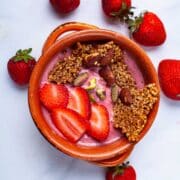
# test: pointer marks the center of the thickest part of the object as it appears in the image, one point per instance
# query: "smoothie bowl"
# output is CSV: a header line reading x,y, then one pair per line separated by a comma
x,y
93,93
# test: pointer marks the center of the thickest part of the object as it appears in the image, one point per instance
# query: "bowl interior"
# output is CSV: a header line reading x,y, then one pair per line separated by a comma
x,y
84,152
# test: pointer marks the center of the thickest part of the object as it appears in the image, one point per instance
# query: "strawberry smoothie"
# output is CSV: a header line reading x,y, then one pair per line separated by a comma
x,y
114,134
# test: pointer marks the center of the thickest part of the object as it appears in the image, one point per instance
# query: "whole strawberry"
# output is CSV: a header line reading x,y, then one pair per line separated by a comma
x,y
147,29
169,78
117,8
20,66
65,6
122,172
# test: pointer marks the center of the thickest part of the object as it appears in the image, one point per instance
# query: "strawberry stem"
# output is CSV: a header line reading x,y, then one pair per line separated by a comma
x,y
120,169
135,22
23,55
125,13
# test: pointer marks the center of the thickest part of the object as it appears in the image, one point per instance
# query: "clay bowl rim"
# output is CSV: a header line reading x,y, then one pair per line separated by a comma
x,y
87,153
113,161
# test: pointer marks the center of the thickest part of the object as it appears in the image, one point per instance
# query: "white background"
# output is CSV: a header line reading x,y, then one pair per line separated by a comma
x,y
24,153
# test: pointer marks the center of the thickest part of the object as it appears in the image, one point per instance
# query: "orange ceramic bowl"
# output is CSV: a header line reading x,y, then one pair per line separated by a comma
x,y
113,161
54,44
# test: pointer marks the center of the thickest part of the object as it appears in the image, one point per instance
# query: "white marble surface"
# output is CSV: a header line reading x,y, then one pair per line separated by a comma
x,y
24,153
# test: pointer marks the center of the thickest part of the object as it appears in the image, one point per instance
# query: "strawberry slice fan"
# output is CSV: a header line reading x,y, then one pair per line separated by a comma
x,y
69,116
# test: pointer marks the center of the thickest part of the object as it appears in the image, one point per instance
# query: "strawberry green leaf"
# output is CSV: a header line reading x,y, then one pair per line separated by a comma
x,y
120,169
134,23
23,55
125,12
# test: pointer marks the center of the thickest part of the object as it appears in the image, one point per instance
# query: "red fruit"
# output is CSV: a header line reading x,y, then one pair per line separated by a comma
x,y
70,123
169,77
122,172
99,122
148,29
79,102
109,174
53,95
65,6
20,66
120,8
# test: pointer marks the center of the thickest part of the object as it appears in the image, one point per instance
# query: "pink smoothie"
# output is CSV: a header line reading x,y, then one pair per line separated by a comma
x,y
113,134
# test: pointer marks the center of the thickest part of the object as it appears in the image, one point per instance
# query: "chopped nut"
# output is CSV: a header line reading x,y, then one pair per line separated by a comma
x,y
81,79
108,58
92,84
106,73
101,93
92,60
114,93
125,96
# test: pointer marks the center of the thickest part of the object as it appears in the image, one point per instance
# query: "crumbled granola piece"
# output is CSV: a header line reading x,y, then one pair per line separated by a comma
x,y
65,71
124,78
132,119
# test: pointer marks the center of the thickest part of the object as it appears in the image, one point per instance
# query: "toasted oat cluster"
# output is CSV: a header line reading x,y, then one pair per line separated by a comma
x,y
131,106
123,77
67,69
99,51
132,118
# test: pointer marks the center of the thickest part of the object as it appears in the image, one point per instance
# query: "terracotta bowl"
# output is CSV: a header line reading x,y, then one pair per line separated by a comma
x,y
54,44
114,161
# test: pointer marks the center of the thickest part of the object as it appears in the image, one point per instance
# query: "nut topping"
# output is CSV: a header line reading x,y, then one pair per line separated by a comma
x,y
101,93
92,84
81,79
92,60
114,93
125,96
108,58
106,73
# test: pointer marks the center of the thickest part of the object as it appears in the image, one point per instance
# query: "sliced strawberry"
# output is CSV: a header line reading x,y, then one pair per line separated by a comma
x,y
99,122
70,123
79,102
53,95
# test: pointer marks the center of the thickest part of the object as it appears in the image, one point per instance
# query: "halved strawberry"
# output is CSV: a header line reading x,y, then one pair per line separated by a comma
x,y
70,123
53,95
79,102
99,122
